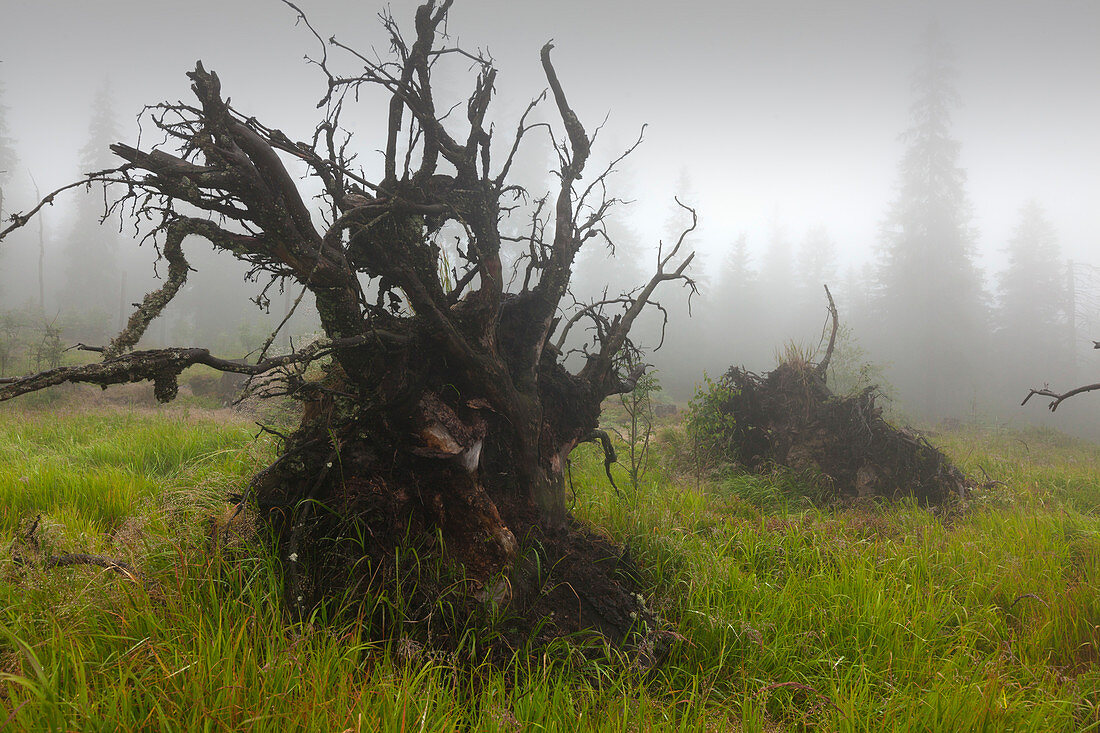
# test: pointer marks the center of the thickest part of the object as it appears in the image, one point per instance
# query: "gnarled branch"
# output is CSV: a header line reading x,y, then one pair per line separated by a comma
x,y
21,219
163,366
823,365
609,457
1058,398
599,368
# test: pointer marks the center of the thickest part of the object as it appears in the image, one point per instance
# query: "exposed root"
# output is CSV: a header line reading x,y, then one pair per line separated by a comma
x,y
609,456
789,417
419,549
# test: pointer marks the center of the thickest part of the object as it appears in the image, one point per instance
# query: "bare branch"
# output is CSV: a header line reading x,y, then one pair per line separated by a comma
x,y
823,365
599,369
21,219
574,129
521,130
591,310
82,558
163,366
155,302
1059,398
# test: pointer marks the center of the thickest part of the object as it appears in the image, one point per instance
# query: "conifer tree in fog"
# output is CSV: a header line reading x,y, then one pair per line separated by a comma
x,y
778,322
8,159
1032,314
738,286
930,306
816,264
90,292
8,163
777,269
735,339
815,267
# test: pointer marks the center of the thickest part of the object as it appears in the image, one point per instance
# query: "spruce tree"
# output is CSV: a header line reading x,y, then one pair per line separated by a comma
x,y
1032,317
8,159
8,164
737,301
814,268
816,264
90,295
779,318
930,305
737,273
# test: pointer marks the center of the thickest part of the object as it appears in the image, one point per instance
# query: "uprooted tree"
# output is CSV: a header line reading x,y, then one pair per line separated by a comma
x,y
790,417
445,415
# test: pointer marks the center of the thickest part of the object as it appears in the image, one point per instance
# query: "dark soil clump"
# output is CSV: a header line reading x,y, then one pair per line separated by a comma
x,y
380,545
789,417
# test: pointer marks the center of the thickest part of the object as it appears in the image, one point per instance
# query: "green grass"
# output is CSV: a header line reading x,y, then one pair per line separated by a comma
x,y
785,613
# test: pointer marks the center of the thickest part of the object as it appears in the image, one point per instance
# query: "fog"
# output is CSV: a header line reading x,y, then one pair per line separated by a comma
x,y
781,123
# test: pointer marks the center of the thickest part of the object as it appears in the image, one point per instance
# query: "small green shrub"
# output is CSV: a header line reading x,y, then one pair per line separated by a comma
x,y
710,422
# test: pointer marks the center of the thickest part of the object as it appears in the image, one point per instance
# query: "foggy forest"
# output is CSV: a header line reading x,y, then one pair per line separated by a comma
x,y
1011,303
681,364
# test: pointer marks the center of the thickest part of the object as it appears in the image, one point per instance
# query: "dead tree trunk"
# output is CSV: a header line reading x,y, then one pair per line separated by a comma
x,y
444,417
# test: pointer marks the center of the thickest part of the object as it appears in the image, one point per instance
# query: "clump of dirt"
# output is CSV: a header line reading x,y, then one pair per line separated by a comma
x,y
789,417
381,546
574,581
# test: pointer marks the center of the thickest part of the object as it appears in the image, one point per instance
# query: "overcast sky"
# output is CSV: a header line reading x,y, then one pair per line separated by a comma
x,y
773,109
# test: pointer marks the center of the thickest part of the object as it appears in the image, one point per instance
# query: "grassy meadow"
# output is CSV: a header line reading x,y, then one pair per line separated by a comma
x,y
785,613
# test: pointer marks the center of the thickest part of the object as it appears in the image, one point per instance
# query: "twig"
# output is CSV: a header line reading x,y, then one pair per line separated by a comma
x,y
20,220
83,558
75,558
795,685
1059,398
989,480
823,365
1027,595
